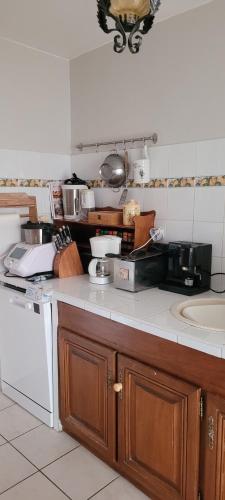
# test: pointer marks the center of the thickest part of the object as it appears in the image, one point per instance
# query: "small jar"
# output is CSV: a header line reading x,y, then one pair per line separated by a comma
x,y
130,210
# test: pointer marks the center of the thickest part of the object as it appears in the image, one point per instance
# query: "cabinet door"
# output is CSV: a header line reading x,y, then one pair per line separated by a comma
x,y
159,431
213,476
87,399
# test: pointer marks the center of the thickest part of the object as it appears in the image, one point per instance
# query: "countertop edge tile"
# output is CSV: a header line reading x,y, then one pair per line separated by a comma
x,y
143,326
213,350
95,309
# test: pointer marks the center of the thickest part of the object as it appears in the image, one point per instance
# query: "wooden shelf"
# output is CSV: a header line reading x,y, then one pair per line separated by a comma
x,y
96,224
18,200
82,231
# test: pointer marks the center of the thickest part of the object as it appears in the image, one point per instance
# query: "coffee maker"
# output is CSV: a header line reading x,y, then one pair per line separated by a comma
x,y
101,268
189,268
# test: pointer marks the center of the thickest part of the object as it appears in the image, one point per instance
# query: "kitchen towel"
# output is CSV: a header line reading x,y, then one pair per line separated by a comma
x,y
10,233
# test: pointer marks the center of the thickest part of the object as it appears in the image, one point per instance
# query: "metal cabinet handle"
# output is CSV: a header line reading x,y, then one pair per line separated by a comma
x,y
211,432
118,387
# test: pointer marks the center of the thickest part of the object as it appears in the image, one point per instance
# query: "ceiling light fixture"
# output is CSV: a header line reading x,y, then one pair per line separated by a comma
x,y
134,17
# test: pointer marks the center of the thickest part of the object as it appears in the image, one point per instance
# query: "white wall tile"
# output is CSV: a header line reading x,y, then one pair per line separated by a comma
x,y
86,165
217,281
110,197
183,160
98,197
19,164
159,161
221,156
209,232
156,199
223,276
208,153
28,164
180,204
54,166
178,230
223,252
138,195
216,265
162,224
209,204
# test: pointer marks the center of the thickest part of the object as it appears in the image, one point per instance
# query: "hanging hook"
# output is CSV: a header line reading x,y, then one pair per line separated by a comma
x,y
96,150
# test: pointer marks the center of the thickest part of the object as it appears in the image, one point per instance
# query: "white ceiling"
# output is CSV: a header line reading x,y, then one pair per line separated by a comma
x,y
66,28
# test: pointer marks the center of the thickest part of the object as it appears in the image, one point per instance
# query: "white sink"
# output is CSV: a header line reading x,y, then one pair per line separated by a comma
x,y
202,313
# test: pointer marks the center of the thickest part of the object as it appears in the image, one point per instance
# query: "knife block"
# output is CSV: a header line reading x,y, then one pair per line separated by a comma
x,y
67,262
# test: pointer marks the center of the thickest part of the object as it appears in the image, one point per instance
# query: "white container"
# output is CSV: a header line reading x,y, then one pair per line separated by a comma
x,y
72,200
88,199
142,171
142,168
130,210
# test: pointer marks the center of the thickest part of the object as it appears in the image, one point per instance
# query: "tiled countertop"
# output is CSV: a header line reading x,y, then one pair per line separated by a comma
x,y
148,311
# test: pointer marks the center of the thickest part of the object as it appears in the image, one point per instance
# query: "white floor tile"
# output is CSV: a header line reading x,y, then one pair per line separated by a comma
x,y
120,489
5,402
80,474
44,445
13,467
15,421
34,488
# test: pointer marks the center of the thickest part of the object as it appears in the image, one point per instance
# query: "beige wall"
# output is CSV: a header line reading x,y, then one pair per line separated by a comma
x,y
34,100
175,86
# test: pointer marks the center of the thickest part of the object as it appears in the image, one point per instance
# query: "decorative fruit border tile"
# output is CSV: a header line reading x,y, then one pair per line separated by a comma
x,y
210,181
32,183
185,182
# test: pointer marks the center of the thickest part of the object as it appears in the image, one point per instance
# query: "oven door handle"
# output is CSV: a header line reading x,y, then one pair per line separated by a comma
x,y
28,306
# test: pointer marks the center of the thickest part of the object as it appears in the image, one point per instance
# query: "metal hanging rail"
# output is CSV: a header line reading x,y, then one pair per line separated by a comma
x,y
152,138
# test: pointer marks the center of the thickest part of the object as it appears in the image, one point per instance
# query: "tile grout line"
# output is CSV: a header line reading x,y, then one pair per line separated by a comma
x,y
103,488
62,456
19,482
54,484
6,408
23,434
38,470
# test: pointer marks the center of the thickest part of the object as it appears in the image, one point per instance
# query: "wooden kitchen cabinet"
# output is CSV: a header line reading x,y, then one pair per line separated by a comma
x,y
87,398
136,401
213,474
159,430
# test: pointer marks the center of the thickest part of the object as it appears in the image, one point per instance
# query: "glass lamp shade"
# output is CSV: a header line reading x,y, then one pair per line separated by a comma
x,y
134,17
130,9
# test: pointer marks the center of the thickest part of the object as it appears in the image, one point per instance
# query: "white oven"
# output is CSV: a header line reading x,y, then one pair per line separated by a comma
x,y
26,350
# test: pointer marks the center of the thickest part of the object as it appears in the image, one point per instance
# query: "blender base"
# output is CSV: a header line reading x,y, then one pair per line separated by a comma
x,y
101,280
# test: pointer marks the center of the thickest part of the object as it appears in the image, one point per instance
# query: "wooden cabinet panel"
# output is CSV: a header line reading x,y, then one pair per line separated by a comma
x,y
213,477
159,431
87,371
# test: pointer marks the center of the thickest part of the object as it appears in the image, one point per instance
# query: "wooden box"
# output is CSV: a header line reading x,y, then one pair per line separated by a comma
x,y
106,218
